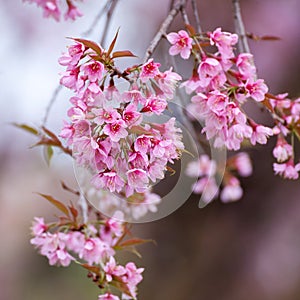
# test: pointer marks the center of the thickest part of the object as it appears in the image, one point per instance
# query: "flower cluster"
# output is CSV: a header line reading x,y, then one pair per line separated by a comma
x,y
206,171
52,9
108,132
94,247
286,114
222,83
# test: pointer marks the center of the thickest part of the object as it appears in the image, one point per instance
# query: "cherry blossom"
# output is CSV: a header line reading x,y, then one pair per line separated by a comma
x,y
182,44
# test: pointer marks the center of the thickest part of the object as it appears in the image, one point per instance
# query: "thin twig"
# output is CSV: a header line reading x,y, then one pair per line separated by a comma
x,y
97,19
51,103
163,27
196,15
185,16
84,207
109,14
239,27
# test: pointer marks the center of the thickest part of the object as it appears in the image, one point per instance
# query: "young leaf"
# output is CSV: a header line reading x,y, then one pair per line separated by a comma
x,y
27,128
112,45
48,151
134,242
56,203
89,44
93,269
124,53
191,30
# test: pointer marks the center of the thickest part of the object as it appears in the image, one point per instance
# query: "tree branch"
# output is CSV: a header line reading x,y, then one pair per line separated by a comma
x,y
163,27
109,14
239,27
50,104
97,18
196,15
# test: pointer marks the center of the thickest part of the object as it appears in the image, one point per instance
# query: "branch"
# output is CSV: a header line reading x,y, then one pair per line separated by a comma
x,y
196,15
97,19
240,28
51,103
109,14
163,28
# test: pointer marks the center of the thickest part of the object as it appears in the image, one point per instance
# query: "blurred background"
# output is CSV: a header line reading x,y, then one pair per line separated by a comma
x,y
240,251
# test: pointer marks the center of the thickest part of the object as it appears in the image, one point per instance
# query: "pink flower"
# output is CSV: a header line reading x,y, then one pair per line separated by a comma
x,y
112,269
283,151
93,70
207,187
72,80
210,69
72,12
245,65
142,143
51,10
133,274
71,59
94,251
256,89
155,105
38,226
108,180
108,115
202,167
224,42
108,296
260,134
167,82
116,130
131,116
288,170
243,164
217,102
75,241
137,180
60,257
181,43
232,191
149,70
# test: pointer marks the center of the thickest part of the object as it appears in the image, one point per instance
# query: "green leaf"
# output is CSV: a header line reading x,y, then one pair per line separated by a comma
x,y
27,128
48,151
125,53
89,44
112,45
56,203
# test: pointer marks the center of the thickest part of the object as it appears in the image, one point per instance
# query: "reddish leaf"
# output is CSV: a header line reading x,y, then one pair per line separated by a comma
x,y
112,44
93,269
56,203
90,44
190,29
73,211
27,128
124,53
52,135
123,287
134,242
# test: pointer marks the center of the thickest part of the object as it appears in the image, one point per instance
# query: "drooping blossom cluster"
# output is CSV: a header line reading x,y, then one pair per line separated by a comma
x,y
108,132
53,9
286,114
222,83
93,246
206,170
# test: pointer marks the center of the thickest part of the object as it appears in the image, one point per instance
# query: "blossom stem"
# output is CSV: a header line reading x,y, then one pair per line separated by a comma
x,y
243,45
163,27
